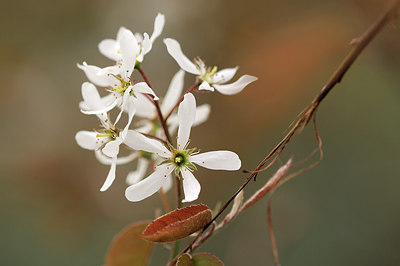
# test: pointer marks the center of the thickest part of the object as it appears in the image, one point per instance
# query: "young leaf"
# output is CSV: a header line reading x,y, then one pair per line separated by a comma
x,y
206,259
184,260
199,259
178,224
128,248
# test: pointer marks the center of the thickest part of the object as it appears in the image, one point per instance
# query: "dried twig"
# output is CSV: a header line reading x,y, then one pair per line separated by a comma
x,y
357,48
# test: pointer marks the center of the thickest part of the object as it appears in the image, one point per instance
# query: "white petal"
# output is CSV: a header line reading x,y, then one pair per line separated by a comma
x,y
138,142
109,48
144,108
235,87
191,187
142,87
87,139
120,160
104,110
138,36
149,185
173,123
145,128
111,176
174,49
129,51
111,149
205,86
186,117
158,27
224,75
119,33
91,96
146,44
217,160
129,106
167,183
174,92
91,73
202,113
135,176
110,71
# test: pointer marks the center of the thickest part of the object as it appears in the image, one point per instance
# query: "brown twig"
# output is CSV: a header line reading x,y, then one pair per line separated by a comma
x,y
194,86
154,137
159,114
357,48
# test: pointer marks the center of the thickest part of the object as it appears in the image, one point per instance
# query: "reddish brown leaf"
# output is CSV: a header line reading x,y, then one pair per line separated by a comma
x,y
128,248
206,259
184,260
178,224
199,259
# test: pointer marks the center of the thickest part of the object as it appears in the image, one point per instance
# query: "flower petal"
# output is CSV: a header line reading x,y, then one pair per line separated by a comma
x,y
217,160
110,71
142,87
224,75
167,183
202,113
109,48
173,123
174,49
235,87
144,108
87,139
129,50
103,159
141,169
91,74
129,106
186,117
149,185
205,86
146,45
119,33
191,187
111,149
138,142
91,96
174,92
111,175
104,110
158,27
145,128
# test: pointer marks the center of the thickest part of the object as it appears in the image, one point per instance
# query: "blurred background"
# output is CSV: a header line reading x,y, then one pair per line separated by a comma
x,y
343,212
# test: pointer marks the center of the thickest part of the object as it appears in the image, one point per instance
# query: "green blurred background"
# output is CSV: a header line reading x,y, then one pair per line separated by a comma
x,y
343,212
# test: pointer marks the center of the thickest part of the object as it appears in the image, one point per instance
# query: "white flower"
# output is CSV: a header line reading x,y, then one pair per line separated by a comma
x,y
108,139
117,78
112,48
181,160
147,110
210,77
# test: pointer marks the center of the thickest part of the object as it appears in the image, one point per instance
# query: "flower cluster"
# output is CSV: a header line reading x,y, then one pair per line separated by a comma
x,y
150,121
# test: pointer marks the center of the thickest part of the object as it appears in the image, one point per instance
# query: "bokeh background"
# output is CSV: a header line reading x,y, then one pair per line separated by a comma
x,y
343,212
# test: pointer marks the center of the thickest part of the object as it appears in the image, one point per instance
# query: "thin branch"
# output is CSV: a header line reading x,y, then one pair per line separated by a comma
x,y
358,47
154,137
194,86
159,114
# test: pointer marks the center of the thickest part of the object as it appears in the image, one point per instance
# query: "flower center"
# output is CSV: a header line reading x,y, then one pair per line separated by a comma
x,y
180,159
206,72
123,86
111,134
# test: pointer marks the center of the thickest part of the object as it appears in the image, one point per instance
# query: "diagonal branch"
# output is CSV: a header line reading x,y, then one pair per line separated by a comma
x,y
358,45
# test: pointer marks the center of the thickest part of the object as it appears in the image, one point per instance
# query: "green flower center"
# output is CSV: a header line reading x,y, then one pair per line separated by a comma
x,y
180,159
121,88
112,134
